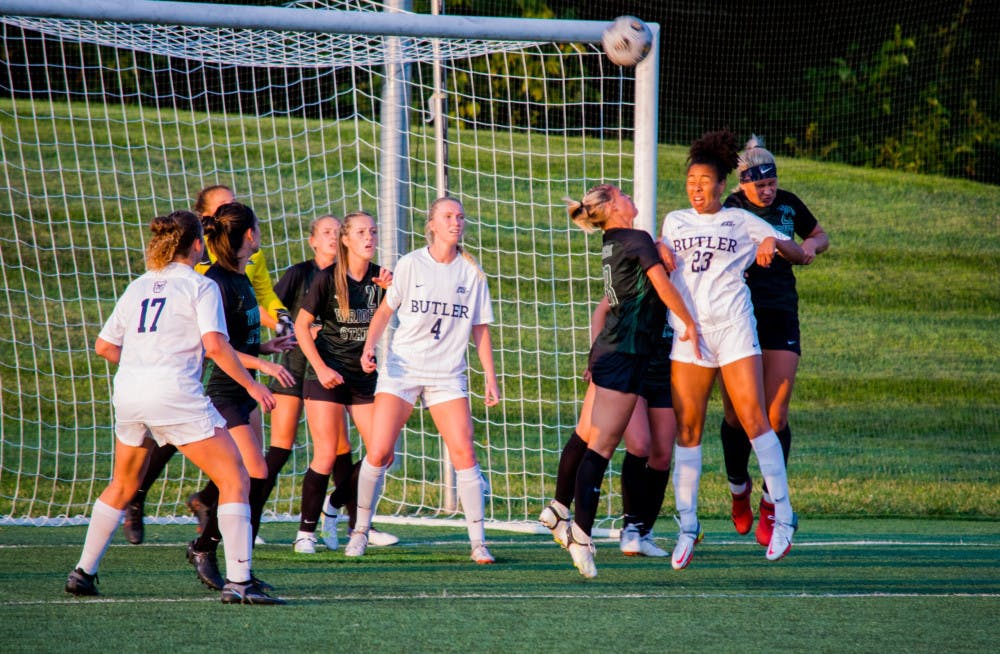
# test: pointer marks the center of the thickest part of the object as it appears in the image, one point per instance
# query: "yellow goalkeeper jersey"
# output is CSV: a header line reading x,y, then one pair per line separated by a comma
x,y
260,278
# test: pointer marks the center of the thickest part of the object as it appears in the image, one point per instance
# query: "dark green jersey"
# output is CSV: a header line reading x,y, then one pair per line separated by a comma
x,y
774,287
636,313
243,325
342,338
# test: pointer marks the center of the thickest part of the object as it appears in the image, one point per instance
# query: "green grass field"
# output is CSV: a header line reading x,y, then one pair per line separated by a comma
x,y
847,586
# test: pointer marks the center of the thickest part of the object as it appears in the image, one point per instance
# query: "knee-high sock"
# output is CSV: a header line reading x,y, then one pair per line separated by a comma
x,y
352,502
772,468
276,458
569,463
209,495
158,460
104,521
687,474
785,437
343,472
470,494
258,499
633,472
313,493
736,452
370,481
588,489
654,488
237,539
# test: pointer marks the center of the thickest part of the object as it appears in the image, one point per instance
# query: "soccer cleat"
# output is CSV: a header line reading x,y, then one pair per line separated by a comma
x,y
260,583
378,538
257,540
741,512
481,555
201,511
328,525
583,557
555,518
80,583
305,543
765,524
648,548
684,550
357,545
247,592
781,539
206,565
628,540
133,527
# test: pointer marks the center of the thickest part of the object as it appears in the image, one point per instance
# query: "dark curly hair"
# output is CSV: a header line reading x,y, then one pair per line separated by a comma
x,y
719,149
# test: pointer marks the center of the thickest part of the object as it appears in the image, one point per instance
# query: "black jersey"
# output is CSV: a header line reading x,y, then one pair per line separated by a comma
x,y
637,315
774,287
341,339
242,323
294,284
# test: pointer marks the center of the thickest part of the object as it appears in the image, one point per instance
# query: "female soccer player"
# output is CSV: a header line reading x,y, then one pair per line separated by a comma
x,y
233,233
160,327
649,447
637,288
342,299
709,248
776,310
440,297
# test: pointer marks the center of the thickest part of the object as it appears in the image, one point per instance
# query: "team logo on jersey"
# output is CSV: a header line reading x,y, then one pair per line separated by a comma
x,y
728,223
461,289
159,286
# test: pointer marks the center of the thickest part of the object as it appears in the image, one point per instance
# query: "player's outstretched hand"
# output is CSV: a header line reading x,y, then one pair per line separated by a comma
x,y
262,394
279,344
277,371
384,280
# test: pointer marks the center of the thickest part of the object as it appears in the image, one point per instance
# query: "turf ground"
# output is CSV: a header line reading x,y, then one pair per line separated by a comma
x,y
847,586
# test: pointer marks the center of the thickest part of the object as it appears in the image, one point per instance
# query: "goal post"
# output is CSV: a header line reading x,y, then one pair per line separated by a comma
x,y
111,113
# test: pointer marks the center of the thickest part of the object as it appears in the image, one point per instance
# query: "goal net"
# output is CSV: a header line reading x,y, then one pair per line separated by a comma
x,y
104,125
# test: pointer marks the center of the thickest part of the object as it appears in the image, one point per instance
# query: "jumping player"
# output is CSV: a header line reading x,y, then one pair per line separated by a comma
x,y
776,309
160,328
637,288
709,248
342,299
440,296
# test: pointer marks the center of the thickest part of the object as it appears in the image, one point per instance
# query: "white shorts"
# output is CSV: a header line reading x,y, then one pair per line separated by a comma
x,y
721,346
134,433
428,394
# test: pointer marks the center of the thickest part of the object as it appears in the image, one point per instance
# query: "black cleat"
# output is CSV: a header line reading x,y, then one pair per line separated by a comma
x,y
206,565
80,583
134,529
200,510
260,583
247,592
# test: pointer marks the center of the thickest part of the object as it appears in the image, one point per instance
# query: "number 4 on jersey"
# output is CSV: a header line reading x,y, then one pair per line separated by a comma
x,y
436,329
154,306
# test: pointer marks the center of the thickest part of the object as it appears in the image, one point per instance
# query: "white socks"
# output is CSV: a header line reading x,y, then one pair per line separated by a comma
x,y
771,458
687,474
370,481
237,539
470,494
104,520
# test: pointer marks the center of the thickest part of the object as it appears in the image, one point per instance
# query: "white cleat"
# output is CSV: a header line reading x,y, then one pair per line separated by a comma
x,y
305,543
628,540
357,545
555,517
684,550
781,538
328,526
648,548
258,540
378,538
481,554
583,558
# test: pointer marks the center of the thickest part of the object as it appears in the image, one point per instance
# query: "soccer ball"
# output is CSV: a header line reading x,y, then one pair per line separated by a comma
x,y
627,41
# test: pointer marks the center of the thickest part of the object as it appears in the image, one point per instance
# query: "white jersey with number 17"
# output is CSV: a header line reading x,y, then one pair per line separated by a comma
x,y
437,305
158,322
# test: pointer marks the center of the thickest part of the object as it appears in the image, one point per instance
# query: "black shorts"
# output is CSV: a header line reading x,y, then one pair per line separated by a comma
x,y
618,371
296,363
236,411
778,329
656,385
356,389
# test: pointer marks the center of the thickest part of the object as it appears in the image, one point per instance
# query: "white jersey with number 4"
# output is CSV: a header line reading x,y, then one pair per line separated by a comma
x,y
437,305
158,322
712,251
